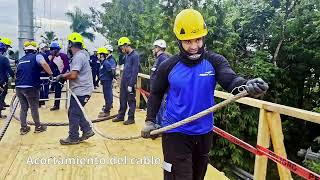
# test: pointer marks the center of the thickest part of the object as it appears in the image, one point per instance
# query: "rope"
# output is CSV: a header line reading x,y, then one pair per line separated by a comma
x,y
95,128
242,93
8,120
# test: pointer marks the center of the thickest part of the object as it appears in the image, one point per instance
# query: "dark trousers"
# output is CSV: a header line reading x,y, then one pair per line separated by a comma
x,y
44,91
188,155
29,98
126,99
107,94
95,77
3,94
57,94
76,117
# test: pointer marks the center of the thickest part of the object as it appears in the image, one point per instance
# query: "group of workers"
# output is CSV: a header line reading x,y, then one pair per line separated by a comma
x,y
181,85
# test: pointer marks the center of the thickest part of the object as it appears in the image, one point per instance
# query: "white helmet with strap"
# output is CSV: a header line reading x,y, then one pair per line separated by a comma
x,y
161,43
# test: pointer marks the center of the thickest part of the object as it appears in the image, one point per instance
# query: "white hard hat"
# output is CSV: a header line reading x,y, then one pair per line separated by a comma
x,y
43,45
109,47
161,43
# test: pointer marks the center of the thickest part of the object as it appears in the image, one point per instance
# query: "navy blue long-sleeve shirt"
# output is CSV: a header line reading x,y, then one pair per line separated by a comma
x,y
131,68
190,90
162,57
5,69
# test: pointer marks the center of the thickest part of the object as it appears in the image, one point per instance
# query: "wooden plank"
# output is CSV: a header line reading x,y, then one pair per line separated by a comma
x,y
13,163
145,76
260,165
275,127
286,110
138,93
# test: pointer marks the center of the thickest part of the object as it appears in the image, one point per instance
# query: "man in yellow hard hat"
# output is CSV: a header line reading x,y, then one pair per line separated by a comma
x,y
128,81
5,69
7,42
189,79
107,74
28,85
80,77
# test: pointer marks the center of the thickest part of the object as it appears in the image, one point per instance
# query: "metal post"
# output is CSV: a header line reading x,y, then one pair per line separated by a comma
x,y
25,23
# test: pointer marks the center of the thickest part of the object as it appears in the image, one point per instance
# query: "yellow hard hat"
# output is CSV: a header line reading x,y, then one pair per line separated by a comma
x,y
123,40
6,41
75,38
189,24
30,45
102,50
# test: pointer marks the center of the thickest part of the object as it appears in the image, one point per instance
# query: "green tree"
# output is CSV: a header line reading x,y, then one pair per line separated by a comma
x,y
80,22
48,37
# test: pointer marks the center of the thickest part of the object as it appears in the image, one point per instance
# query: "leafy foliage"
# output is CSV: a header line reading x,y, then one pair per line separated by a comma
x,y
80,22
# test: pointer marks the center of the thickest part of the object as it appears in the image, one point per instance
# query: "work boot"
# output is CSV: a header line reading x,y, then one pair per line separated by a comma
x,y
24,130
103,114
86,135
128,122
69,141
54,108
116,119
40,129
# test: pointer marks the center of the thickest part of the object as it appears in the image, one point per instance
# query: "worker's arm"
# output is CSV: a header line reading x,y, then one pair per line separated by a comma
x,y
40,59
135,70
65,60
225,76
76,65
70,75
8,67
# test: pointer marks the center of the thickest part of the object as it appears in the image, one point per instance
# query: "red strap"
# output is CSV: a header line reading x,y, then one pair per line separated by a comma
x,y
297,169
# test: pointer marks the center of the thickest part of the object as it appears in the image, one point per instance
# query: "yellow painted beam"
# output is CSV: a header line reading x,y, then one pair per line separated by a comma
x,y
260,166
286,110
275,127
138,93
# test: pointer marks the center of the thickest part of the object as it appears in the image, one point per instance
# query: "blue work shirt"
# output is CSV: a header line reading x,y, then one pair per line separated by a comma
x,y
107,69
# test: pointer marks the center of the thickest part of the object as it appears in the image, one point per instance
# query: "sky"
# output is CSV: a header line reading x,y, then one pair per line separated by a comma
x,y
46,19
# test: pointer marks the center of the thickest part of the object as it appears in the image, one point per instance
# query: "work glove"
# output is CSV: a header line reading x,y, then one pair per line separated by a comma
x,y
148,127
59,78
129,89
256,87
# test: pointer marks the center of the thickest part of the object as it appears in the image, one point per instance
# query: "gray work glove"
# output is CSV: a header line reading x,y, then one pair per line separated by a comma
x,y
256,87
59,78
148,127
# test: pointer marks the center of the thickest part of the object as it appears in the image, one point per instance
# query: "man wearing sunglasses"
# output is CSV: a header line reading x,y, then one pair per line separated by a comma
x,y
28,83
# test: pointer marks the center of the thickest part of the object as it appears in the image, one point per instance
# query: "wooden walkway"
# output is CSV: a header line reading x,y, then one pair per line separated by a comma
x,y
94,159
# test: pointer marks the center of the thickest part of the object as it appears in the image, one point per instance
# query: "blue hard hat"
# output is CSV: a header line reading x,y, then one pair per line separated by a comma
x,y
55,45
2,45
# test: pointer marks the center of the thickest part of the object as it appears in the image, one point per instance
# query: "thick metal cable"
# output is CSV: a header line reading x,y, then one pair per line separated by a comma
x,y
8,120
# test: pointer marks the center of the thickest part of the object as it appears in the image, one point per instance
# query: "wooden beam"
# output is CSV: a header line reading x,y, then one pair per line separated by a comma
x,y
275,127
260,165
286,110
138,93
143,76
